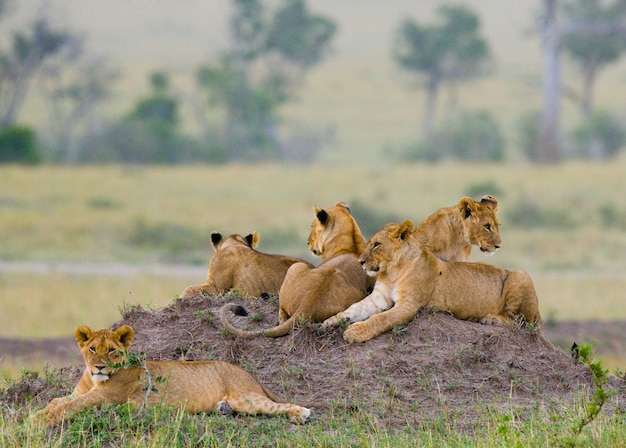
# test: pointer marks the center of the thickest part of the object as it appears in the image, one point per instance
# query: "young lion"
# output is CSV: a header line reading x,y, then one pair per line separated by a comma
x,y
318,293
450,232
196,386
238,266
411,277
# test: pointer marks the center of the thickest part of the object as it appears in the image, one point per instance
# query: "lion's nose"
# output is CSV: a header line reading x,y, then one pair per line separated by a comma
x,y
100,368
497,246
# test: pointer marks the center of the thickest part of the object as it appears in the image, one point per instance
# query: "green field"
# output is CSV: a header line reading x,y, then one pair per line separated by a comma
x,y
563,224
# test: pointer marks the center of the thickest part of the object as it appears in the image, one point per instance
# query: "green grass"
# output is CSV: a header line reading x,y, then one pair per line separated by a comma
x,y
150,214
484,425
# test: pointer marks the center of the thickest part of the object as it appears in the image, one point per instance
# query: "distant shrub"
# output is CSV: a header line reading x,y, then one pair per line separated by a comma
x,y
103,203
479,189
370,220
275,239
141,142
599,137
172,238
18,144
528,214
611,216
468,136
529,129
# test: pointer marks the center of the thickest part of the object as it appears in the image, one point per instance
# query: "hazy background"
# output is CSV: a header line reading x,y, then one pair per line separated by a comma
x,y
358,92
80,242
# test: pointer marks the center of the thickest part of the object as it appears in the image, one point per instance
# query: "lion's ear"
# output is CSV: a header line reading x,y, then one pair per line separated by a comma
x,y
253,239
406,228
125,335
216,237
343,205
467,206
490,201
83,334
322,215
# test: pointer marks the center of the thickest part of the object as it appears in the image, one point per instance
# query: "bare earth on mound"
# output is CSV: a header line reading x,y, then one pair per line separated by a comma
x,y
436,364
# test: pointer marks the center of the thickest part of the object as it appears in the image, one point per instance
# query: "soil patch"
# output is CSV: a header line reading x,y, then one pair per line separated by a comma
x,y
410,375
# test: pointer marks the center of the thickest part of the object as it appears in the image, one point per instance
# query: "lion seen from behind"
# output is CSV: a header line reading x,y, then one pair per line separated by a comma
x,y
238,266
316,293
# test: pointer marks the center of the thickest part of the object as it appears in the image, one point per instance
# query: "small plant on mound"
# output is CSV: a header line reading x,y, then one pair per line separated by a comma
x,y
600,395
132,359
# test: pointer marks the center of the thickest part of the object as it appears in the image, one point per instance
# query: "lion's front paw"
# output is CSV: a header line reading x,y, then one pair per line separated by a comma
x,y
328,324
357,332
39,418
47,416
188,292
492,319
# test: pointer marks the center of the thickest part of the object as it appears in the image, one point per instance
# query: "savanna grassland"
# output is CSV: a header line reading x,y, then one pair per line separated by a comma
x,y
83,245
79,243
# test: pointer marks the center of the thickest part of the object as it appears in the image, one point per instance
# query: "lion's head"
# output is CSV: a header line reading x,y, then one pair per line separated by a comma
x,y
219,242
335,228
103,348
384,246
480,223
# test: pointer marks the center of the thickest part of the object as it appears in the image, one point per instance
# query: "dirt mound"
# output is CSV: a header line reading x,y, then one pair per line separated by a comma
x,y
405,376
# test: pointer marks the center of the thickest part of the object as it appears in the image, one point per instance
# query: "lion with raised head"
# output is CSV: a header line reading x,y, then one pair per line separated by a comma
x,y
315,294
195,386
450,232
238,266
411,277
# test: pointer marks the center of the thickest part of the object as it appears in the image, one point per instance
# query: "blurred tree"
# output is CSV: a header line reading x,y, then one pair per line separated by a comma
x,y
447,52
593,52
553,34
28,54
159,109
73,98
270,54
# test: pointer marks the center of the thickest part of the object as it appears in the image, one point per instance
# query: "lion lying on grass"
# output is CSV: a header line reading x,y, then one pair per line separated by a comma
x,y
314,294
450,232
411,277
112,376
238,266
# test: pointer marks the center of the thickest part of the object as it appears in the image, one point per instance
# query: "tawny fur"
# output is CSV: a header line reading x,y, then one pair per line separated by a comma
x,y
238,266
411,277
314,294
195,386
450,232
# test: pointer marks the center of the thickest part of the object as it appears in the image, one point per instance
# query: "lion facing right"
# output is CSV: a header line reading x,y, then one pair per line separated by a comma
x,y
450,232
411,277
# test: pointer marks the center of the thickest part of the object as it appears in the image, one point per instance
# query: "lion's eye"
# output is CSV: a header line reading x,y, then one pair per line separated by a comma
x,y
375,245
488,227
92,349
112,351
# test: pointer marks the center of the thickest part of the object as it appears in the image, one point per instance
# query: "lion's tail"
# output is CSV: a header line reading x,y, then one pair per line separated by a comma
x,y
274,332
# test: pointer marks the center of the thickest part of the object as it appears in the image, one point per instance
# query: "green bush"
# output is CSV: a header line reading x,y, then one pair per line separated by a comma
x,y
529,214
529,130
370,220
18,144
479,189
472,136
611,216
599,137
